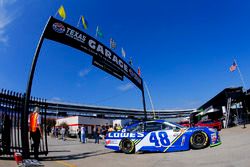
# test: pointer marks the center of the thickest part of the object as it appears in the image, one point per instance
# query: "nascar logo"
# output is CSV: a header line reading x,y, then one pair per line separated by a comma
x,y
58,27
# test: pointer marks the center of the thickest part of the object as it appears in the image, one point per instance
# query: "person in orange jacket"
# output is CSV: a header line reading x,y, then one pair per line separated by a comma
x,y
35,130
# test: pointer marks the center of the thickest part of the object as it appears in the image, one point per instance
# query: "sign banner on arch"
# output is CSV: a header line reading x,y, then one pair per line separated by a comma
x,y
107,67
103,56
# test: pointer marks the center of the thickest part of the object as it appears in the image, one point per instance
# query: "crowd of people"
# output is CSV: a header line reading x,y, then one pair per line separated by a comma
x,y
99,132
58,131
36,133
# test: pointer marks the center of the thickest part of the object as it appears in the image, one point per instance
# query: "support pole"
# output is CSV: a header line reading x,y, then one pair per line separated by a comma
x,y
150,98
25,128
241,76
25,113
144,103
79,21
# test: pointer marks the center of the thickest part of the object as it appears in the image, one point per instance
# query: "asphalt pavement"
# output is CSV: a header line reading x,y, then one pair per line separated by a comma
x,y
233,152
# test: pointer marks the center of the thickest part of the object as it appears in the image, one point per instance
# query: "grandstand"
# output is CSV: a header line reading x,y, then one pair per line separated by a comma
x,y
69,109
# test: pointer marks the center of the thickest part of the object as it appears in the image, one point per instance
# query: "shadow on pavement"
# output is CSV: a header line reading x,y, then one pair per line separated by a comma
x,y
74,156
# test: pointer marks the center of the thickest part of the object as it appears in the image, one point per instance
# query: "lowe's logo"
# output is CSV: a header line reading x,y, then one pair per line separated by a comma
x,y
125,135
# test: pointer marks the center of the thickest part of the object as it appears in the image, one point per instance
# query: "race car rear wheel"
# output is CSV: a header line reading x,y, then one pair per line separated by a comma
x,y
199,140
127,146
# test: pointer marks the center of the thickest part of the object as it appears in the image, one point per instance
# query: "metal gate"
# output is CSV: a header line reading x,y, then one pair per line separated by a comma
x,y
11,109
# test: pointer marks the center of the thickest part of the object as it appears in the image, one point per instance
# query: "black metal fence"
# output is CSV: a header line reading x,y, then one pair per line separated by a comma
x,y
11,109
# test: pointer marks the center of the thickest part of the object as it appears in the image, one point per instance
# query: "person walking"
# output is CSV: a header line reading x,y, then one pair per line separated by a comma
x,y
94,133
104,132
118,127
52,132
115,127
83,134
98,132
35,130
110,129
56,132
79,133
48,129
63,130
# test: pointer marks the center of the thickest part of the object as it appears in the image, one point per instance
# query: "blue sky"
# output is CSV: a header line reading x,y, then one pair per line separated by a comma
x,y
184,49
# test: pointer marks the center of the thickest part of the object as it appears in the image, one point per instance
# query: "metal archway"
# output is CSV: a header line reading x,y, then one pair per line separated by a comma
x,y
103,58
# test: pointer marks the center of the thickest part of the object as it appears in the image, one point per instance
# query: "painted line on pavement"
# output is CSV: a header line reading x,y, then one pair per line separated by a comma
x,y
65,164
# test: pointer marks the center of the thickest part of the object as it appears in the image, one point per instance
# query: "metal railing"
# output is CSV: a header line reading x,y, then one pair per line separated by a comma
x,y
11,115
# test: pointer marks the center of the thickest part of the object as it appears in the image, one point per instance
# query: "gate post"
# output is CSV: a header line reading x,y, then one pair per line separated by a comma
x,y
25,114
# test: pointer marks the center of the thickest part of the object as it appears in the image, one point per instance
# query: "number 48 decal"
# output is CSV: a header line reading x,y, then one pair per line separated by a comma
x,y
160,139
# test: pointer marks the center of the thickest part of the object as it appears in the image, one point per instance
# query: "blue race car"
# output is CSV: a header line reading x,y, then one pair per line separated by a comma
x,y
161,136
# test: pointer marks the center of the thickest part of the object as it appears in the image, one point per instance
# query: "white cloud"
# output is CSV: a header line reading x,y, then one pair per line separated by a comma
x,y
56,99
126,87
3,38
84,72
6,17
4,2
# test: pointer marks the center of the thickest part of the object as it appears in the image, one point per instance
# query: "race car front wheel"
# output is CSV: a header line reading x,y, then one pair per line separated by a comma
x,y
127,146
199,140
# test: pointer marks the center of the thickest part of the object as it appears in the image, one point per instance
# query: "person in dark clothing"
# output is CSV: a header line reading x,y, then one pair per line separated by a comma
x,y
79,133
104,131
97,134
48,130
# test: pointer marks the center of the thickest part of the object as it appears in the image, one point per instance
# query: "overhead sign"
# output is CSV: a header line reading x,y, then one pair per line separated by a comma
x,y
64,33
106,67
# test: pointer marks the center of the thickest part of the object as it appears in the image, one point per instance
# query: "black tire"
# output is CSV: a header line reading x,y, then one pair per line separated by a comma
x,y
199,140
127,146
